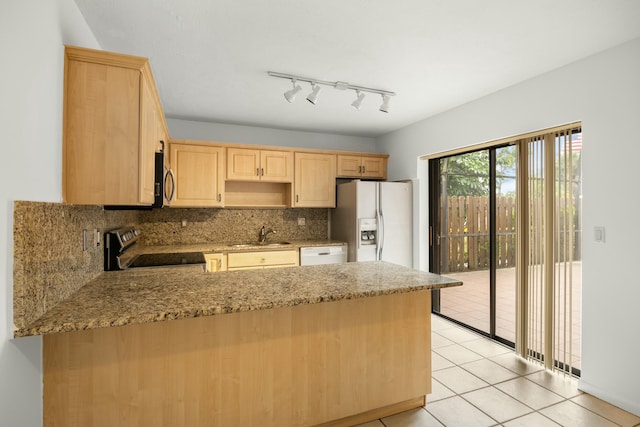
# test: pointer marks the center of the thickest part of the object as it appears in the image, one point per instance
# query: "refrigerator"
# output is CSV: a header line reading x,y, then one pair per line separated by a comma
x,y
376,220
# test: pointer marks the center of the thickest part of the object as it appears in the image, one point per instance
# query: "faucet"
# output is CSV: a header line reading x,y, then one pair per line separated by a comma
x,y
262,235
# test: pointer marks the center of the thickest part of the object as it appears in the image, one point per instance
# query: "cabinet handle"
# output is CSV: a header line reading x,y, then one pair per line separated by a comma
x,y
173,186
258,171
363,169
262,172
297,198
219,197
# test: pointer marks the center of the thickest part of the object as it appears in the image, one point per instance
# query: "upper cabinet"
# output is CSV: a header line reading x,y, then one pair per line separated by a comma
x,y
315,180
113,124
198,171
373,167
244,164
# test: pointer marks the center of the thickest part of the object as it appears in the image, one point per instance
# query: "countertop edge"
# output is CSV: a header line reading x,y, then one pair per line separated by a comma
x,y
152,316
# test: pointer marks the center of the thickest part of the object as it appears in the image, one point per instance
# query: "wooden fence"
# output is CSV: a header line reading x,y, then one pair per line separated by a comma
x,y
464,236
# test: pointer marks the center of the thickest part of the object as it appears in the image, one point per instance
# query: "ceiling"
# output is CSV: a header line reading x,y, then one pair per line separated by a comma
x,y
210,58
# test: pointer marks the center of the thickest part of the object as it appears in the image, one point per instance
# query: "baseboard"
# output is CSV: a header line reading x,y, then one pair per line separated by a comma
x,y
377,413
627,405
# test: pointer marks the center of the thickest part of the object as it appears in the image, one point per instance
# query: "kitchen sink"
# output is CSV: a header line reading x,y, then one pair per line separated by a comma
x,y
268,244
274,244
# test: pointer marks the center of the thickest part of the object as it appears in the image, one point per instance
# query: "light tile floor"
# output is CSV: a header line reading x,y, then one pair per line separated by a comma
x,y
477,382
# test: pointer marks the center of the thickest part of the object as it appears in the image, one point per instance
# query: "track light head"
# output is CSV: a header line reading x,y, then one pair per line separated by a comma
x,y
358,102
290,95
385,103
313,96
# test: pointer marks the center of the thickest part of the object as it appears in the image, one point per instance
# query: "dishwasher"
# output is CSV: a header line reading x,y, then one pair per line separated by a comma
x,y
316,255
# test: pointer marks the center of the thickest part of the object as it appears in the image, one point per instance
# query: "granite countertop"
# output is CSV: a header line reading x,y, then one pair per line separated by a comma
x,y
227,247
231,247
118,298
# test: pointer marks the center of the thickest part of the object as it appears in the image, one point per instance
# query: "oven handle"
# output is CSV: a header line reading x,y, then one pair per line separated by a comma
x,y
173,185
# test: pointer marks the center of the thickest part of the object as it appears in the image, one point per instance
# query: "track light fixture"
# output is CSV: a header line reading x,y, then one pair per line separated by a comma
x,y
385,104
290,95
313,96
358,102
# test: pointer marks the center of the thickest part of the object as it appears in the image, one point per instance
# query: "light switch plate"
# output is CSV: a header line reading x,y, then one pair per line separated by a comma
x,y
302,221
598,234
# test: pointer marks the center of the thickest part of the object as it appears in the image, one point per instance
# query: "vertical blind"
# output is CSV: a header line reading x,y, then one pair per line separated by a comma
x,y
548,207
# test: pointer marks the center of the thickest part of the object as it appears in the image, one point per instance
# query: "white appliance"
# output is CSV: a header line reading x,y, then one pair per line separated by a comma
x,y
315,255
375,219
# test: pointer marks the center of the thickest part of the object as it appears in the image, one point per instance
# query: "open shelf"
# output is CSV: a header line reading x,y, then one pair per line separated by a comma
x,y
241,194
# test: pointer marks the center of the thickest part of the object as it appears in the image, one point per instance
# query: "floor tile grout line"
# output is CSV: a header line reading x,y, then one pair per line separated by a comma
x,y
433,415
498,422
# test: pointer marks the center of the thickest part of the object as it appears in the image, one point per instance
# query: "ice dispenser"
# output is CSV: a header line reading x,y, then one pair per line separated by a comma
x,y
368,231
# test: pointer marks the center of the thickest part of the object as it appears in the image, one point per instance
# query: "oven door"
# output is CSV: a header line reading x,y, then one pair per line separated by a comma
x,y
181,259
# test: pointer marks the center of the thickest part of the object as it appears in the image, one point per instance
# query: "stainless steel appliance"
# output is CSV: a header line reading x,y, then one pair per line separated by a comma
x,y
119,241
316,255
376,220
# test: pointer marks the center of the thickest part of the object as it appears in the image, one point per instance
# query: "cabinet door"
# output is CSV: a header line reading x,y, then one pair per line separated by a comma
x,y
276,166
243,164
315,180
249,260
374,167
149,138
199,173
101,134
349,166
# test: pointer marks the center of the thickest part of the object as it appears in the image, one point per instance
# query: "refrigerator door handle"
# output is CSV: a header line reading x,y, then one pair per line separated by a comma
x,y
380,234
380,223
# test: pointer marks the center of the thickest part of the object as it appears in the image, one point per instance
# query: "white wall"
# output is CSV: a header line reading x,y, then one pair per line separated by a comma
x,y
603,91
32,38
219,132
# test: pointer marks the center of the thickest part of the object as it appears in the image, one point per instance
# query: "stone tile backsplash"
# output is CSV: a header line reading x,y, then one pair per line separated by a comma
x,y
164,226
50,264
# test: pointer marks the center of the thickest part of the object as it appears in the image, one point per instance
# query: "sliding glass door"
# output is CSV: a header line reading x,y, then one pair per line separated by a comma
x,y
506,221
473,238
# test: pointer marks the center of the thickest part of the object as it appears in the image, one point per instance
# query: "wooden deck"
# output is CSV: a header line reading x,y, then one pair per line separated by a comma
x,y
470,304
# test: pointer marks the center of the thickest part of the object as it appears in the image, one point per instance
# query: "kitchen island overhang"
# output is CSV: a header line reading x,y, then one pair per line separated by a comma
x,y
299,346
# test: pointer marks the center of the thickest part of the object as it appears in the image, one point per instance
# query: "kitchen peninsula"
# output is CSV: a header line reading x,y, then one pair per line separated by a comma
x,y
341,343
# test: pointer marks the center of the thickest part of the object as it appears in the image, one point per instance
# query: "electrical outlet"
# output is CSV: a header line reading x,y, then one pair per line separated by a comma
x,y
85,240
302,221
598,234
96,237
184,222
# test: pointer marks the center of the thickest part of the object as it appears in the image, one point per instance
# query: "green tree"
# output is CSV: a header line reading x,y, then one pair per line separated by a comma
x,y
468,174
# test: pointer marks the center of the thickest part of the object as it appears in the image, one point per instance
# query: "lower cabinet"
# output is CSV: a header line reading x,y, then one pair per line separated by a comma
x,y
216,262
262,259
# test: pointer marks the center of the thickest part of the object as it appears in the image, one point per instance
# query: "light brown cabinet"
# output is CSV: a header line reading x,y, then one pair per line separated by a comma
x,y
361,167
112,126
245,164
198,170
261,259
315,180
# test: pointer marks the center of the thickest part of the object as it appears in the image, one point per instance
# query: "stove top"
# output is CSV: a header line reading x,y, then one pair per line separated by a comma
x,y
121,240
